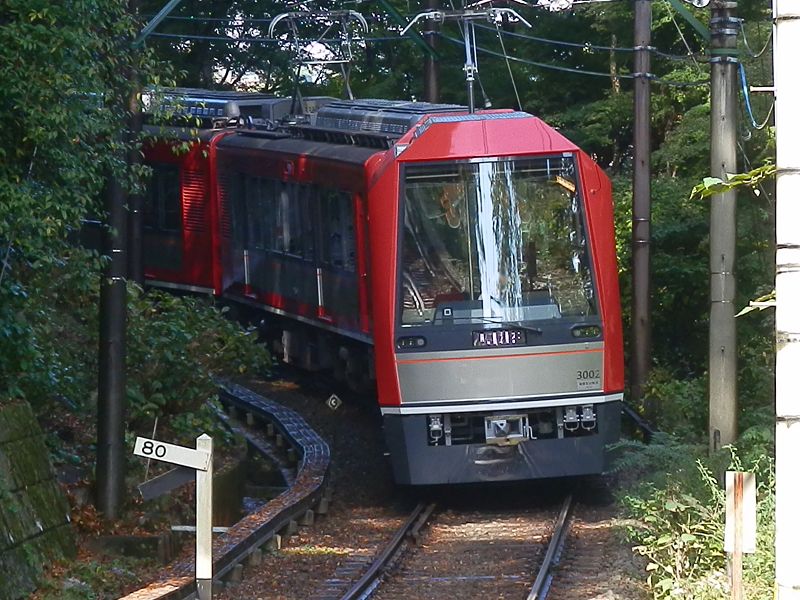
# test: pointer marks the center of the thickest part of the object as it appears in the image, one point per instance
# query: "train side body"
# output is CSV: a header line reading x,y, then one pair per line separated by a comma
x,y
181,246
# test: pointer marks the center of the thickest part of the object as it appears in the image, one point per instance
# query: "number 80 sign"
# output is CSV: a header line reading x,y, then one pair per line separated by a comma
x,y
177,455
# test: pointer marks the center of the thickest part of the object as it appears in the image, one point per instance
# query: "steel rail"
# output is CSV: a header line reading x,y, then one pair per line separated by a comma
x,y
410,528
544,577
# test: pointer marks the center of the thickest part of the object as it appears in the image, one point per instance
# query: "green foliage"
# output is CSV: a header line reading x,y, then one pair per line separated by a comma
x,y
176,345
713,185
679,512
66,72
681,404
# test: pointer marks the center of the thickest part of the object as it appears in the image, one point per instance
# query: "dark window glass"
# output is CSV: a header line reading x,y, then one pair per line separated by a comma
x,y
162,202
338,234
275,215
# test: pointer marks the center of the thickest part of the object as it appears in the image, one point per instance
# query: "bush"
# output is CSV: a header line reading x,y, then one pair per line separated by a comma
x,y
176,346
679,513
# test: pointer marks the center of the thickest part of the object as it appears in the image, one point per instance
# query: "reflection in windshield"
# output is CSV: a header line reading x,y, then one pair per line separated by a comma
x,y
494,241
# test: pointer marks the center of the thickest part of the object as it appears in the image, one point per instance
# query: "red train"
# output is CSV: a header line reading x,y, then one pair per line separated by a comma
x,y
465,263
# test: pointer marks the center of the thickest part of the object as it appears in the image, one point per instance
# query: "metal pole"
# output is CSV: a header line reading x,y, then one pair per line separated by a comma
x,y
204,560
787,289
640,317
431,59
722,323
470,67
110,468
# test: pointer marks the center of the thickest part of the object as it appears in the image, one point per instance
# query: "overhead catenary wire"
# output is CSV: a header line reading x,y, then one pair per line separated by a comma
x,y
273,41
683,39
750,53
508,65
587,46
590,46
651,76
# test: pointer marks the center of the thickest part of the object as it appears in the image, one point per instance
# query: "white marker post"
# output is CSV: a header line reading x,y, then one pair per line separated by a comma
x,y
204,560
200,458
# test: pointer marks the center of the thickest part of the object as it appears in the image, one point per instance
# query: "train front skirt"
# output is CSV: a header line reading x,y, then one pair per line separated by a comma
x,y
574,446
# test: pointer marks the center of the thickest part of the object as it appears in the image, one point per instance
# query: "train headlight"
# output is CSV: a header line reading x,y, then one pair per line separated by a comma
x,y
416,341
586,331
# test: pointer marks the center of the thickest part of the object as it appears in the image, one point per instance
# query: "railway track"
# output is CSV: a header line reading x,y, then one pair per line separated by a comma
x,y
480,545
464,554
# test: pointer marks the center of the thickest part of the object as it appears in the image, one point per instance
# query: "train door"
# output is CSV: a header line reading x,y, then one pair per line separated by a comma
x,y
337,282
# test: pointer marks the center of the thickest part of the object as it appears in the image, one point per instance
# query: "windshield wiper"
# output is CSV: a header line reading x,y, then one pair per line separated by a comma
x,y
535,330
516,324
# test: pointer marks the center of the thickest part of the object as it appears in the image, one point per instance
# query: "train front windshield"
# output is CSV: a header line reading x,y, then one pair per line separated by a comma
x,y
494,241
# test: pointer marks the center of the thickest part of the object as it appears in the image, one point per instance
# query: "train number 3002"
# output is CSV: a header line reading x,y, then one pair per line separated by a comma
x,y
588,375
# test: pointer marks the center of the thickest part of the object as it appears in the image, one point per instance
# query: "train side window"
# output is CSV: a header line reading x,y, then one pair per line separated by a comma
x,y
162,202
306,199
338,235
238,210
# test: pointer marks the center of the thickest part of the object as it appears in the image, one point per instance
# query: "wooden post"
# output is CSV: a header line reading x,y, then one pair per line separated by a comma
x,y
738,524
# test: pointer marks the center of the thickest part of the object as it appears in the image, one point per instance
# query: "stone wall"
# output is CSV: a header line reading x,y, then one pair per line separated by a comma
x,y
34,515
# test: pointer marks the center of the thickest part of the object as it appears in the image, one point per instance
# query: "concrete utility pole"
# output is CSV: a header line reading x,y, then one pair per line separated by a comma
x,y
640,317
786,49
722,324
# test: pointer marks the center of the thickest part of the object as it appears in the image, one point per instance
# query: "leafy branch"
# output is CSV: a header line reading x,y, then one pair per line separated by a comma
x,y
713,185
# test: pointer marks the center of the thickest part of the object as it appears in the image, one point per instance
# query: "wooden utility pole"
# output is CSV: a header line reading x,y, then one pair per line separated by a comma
x,y
786,49
431,35
722,428
110,468
111,392
135,199
640,317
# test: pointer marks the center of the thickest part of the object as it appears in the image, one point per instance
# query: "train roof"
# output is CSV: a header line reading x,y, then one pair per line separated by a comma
x,y
267,121
216,109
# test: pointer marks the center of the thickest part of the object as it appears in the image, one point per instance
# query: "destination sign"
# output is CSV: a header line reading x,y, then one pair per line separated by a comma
x,y
495,338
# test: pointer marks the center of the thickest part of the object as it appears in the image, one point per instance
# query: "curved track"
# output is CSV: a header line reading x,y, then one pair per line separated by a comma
x,y
277,427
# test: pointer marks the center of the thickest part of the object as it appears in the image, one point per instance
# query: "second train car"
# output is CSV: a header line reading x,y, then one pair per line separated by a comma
x,y
462,262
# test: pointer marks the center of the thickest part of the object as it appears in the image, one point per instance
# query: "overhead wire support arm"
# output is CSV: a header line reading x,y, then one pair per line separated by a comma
x,y
155,22
420,41
468,17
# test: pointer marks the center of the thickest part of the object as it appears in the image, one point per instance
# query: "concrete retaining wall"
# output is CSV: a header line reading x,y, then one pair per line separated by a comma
x,y
34,515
